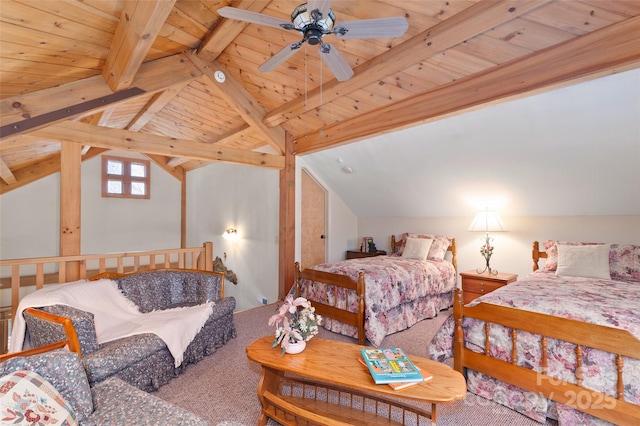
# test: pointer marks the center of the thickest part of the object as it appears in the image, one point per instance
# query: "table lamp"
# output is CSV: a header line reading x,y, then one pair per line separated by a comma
x,y
487,221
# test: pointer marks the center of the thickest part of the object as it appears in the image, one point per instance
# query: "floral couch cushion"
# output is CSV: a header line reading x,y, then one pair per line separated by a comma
x,y
63,370
26,398
157,290
140,409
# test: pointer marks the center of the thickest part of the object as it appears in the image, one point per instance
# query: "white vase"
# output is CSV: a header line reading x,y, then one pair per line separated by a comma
x,y
296,347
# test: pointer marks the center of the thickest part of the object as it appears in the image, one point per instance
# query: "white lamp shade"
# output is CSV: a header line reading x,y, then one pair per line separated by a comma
x,y
487,221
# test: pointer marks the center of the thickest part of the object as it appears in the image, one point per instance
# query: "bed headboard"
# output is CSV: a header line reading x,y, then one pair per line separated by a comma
x,y
395,246
536,255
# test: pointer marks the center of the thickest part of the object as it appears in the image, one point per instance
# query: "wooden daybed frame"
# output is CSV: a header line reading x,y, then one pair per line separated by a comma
x,y
355,319
616,341
39,271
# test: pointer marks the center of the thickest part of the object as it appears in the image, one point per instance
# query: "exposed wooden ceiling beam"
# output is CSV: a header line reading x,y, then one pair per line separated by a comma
x,y
227,30
152,77
5,173
612,49
231,135
26,175
239,98
155,105
43,168
140,23
470,22
126,140
160,161
176,161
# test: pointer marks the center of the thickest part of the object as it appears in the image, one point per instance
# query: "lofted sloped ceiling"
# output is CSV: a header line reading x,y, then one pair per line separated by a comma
x,y
139,75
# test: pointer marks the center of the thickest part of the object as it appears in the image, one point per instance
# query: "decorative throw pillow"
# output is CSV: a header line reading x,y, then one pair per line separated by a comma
x,y
27,398
590,261
438,248
624,262
417,248
551,248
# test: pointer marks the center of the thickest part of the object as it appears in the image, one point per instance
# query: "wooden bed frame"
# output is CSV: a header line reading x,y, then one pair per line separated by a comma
x,y
616,341
355,319
38,271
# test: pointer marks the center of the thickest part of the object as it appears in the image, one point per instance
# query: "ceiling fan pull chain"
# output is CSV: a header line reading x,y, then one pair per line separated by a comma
x,y
305,78
320,62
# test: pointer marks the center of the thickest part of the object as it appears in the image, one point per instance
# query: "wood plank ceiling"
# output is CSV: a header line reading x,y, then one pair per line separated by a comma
x,y
139,75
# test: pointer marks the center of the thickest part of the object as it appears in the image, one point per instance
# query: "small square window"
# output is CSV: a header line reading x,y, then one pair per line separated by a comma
x,y
125,178
138,170
115,167
137,188
114,187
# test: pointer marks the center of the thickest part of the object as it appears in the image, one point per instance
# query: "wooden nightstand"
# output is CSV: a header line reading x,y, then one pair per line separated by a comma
x,y
475,285
357,254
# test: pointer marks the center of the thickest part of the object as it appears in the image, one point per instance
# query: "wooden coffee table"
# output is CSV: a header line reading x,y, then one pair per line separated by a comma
x,y
326,384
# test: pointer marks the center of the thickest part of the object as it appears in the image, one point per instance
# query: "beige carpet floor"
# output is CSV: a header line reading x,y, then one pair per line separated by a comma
x,y
222,387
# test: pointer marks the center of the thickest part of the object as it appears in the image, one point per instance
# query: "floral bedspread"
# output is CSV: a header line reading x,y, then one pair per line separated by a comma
x,y
597,301
399,293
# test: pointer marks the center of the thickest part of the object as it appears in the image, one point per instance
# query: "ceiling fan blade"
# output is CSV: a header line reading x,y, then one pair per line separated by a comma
x,y
277,59
322,5
336,63
254,18
372,28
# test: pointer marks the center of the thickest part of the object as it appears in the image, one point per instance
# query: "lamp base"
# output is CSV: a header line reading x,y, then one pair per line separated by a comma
x,y
487,269
487,250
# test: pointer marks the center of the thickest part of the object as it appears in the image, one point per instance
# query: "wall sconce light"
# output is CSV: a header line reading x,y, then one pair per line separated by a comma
x,y
487,220
231,234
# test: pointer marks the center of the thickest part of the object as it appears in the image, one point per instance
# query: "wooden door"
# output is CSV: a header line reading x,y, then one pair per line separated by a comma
x,y
313,219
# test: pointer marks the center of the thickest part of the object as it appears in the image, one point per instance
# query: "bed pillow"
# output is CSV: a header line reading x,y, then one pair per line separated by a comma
x,y
551,248
438,248
589,261
624,262
27,398
417,248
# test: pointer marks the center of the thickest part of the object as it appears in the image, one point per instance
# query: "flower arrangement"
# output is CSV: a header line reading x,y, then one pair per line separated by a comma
x,y
295,321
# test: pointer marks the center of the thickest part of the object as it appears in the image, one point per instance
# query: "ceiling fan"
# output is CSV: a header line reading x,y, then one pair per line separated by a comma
x,y
314,20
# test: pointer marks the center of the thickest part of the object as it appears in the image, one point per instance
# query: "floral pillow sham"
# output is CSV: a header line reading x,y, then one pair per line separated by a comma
x,y
438,248
624,259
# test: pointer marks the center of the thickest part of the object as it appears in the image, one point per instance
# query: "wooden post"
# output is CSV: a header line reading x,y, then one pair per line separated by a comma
x,y
70,206
208,256
458,340
286,247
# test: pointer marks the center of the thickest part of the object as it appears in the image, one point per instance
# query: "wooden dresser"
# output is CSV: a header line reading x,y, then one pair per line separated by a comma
x,y
357,254
475,285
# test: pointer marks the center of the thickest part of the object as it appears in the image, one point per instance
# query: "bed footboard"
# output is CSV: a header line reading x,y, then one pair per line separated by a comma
x,y
615,341
355,319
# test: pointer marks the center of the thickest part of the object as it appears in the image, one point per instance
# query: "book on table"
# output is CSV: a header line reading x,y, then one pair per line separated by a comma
x,y
391,365
401,385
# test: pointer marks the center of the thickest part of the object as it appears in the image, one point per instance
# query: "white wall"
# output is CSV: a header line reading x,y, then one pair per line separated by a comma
x,y
569,152
221,196
30,216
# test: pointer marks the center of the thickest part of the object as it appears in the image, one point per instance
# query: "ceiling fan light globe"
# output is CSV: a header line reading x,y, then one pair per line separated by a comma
x,y
303,18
